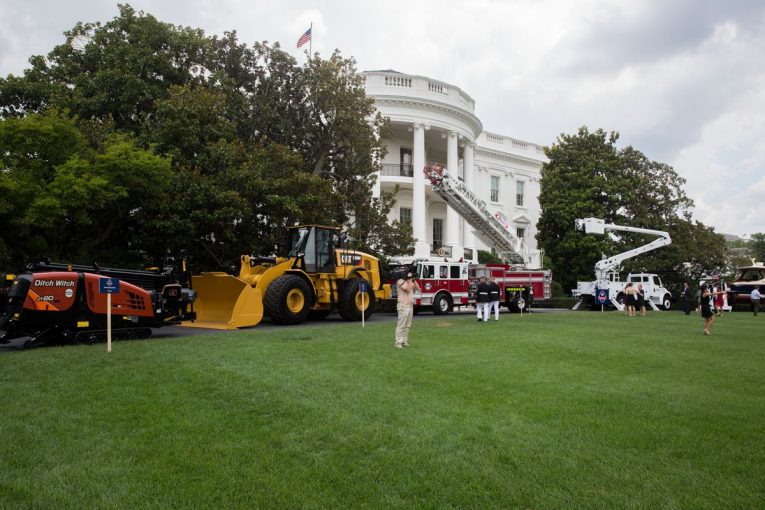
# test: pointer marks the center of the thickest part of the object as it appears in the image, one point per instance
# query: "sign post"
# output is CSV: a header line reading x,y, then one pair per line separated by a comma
x,y
602,297
363,288
108,286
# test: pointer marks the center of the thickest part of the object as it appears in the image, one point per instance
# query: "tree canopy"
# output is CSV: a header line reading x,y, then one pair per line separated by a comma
x,y
757,246
589,176
135,137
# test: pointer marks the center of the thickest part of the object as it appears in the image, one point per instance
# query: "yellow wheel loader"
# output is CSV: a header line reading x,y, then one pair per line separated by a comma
x,y
316,278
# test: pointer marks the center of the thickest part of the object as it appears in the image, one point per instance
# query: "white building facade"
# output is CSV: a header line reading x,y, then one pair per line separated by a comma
x,y
430,122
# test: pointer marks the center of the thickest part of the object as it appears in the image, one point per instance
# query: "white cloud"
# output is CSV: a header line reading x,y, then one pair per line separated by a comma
x,y
681,80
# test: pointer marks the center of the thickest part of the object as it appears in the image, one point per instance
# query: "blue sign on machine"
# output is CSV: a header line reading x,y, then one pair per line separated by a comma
x,y
363,286
108,286
602,296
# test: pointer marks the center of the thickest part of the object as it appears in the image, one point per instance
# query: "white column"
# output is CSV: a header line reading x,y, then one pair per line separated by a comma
x,y
531,199
419,226
377,160
452,218
467,163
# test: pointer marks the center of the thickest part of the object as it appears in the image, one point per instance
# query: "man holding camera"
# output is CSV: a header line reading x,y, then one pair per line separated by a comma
x,y
405,307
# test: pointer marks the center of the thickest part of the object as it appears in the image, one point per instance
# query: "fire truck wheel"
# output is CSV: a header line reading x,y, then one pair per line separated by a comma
x,y
442,304
620,298
666,302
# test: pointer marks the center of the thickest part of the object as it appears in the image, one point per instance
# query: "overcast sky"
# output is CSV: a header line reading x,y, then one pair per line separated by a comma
x,y
683,81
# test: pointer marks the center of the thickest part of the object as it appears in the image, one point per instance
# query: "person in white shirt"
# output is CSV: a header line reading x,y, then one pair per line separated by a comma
x,y
755,296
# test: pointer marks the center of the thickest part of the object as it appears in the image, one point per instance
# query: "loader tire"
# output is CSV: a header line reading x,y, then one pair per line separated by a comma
x,y
288,300
350,301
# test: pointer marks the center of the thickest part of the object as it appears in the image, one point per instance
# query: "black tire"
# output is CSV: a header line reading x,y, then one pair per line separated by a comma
x,y
90,337
592,303
666,302
442,304
288,300
350,301
517,304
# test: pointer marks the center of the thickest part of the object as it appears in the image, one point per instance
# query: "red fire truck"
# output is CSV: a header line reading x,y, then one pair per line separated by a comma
x,y
446,284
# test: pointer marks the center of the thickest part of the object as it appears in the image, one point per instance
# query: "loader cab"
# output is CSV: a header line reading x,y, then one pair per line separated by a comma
x,y
313,247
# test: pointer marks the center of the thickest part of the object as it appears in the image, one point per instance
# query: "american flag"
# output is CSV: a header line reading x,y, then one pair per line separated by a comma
x,y
304,38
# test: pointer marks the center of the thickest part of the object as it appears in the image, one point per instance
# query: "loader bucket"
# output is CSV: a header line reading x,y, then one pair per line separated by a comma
x,y
225,302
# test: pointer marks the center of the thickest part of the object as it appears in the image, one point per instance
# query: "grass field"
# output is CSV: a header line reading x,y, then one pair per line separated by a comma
x,y
554,410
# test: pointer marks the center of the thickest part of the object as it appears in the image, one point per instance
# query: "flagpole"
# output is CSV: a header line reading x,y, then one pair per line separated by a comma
x,y
310,43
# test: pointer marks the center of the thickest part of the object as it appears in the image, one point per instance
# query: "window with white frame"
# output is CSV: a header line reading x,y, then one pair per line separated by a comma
x,y
438,233
495,188
520,233
519,193
405,215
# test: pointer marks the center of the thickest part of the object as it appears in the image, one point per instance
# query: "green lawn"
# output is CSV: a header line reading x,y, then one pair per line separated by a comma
x,y
554,410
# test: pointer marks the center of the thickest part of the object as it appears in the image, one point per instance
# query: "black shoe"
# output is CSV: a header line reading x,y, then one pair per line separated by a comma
x,y
480,320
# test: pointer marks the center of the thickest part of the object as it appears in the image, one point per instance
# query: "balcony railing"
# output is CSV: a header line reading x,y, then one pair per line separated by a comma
x,y
397,170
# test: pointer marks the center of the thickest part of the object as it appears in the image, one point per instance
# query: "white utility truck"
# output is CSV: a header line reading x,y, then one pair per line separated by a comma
x,y
608,287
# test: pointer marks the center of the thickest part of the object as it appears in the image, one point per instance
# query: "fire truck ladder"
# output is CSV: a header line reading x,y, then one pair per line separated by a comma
x,y
474,211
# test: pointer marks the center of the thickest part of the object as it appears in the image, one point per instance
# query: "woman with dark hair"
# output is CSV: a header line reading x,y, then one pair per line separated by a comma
x,y
629,300
641,299
706,310
686,299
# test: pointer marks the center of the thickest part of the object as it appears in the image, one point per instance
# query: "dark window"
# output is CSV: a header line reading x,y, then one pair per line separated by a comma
x,y
405,216
406,161
495,188
519,193
438,233
324,251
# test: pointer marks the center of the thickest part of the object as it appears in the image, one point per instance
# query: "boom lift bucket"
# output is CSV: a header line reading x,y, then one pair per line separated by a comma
x,y
225,302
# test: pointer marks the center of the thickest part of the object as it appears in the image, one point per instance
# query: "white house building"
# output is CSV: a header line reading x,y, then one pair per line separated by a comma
x,y
432,121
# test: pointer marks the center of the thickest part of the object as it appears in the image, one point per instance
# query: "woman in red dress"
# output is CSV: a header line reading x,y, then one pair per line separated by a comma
x,y
719,301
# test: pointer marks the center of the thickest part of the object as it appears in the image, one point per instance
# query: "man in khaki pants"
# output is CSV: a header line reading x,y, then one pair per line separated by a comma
x,y
405,307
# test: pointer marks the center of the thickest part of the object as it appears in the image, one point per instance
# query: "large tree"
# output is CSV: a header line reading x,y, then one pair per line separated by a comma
x,y
757,246
255,142
589,176
64,197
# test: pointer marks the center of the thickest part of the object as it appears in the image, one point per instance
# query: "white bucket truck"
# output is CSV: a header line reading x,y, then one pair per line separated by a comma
x,y
607,288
